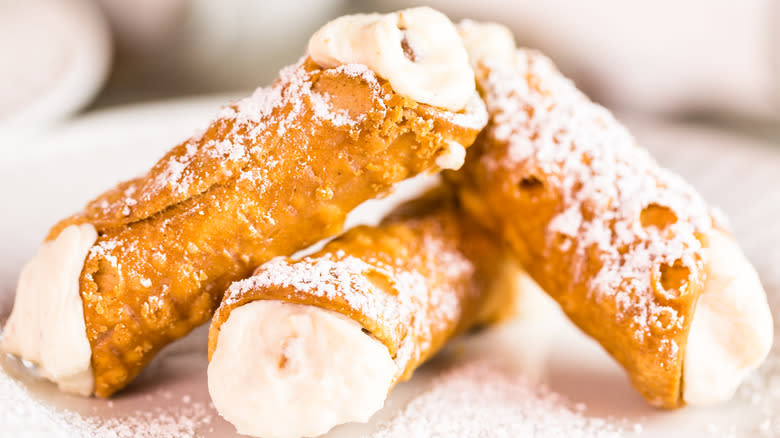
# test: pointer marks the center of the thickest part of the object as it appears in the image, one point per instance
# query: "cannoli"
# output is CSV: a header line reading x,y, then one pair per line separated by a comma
x,y
307,344
146,262
631,252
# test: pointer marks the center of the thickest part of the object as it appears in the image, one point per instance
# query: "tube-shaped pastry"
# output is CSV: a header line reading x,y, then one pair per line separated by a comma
x,y
148,261
628,249
307,344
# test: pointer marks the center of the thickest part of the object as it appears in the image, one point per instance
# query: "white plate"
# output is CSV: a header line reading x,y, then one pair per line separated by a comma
x,y
55,58
170,398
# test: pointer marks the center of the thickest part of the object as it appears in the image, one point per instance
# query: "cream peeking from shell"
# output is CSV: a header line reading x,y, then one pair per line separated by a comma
x,y
278,363
47,325
731,332
487,41
417,50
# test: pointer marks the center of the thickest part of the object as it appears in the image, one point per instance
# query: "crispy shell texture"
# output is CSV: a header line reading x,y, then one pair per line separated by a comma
x,y
615,239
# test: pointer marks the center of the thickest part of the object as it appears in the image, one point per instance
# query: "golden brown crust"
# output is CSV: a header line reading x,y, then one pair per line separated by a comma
x,y
272,174
613,238
417,280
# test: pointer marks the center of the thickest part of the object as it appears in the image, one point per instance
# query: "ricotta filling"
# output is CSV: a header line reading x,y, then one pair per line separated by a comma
x,y
284,370
487,41
417,50
731,332
453,157
46,326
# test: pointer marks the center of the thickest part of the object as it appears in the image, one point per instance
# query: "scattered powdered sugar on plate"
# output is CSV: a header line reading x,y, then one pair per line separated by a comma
x,y
25,414
186,420
19,408
479,399
182,421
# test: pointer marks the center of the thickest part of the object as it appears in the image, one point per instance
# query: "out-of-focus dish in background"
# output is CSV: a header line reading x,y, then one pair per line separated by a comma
x,y
54,56
692,59
664,56
168,48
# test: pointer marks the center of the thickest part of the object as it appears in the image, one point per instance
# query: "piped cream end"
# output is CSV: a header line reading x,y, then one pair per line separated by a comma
x,y
417,50
284,370
452,158
487,41
47,325
732,330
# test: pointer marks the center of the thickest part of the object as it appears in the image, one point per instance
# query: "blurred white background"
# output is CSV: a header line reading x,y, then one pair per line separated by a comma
x,y
708,61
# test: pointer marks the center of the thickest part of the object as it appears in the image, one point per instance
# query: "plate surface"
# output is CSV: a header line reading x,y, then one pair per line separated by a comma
x,y
56,176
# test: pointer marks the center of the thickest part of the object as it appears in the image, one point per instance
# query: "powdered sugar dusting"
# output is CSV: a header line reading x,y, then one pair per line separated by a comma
x,y
324,276
244,127
173,173
555,133
473,116
28,416
342,276
362,72
103,249
323,110
249,120
187,420
479,399
243,134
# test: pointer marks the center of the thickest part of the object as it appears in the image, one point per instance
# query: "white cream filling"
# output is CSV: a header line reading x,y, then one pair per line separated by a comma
x,y
284,370
731,332
486,40
453,157
437,73
47,326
